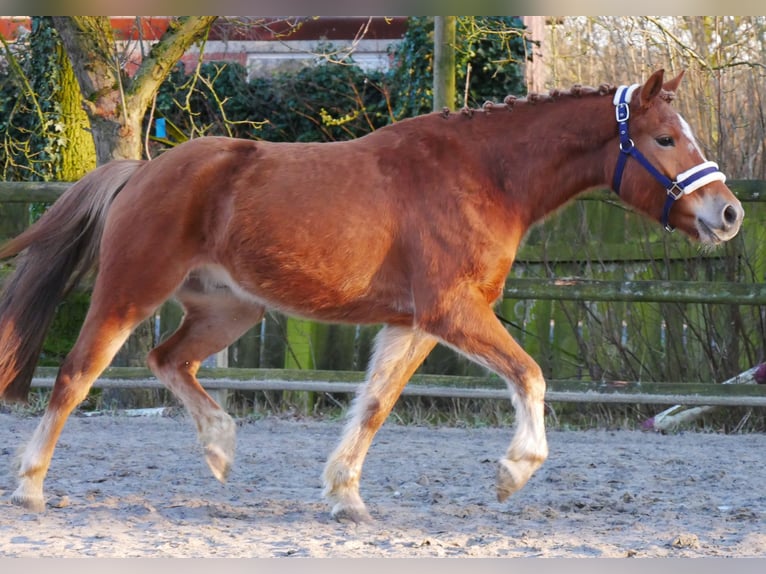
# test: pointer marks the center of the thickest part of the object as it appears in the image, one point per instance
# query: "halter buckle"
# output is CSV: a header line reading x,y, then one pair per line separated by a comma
x,y
622,112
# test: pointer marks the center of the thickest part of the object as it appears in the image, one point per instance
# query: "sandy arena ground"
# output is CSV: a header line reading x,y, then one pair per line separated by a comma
x,y
139,487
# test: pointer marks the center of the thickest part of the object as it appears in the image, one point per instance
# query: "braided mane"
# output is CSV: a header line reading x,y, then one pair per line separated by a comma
x,y
534,98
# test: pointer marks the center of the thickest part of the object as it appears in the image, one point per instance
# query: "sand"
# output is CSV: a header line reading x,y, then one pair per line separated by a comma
x,y
138,487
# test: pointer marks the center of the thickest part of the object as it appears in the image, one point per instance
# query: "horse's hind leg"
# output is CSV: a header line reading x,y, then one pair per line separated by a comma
x,y
398,353
214,318
107,326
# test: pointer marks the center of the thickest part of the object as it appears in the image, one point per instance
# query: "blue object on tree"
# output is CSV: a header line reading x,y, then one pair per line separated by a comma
x,y
159,128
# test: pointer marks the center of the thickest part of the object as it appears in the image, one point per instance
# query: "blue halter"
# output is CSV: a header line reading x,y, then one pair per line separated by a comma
x,y
686,182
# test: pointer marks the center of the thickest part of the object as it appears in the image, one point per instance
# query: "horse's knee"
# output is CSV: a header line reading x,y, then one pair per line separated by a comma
x,y
369,413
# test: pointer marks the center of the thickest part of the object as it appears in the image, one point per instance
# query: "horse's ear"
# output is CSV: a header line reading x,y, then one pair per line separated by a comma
x,y
651,88
672,85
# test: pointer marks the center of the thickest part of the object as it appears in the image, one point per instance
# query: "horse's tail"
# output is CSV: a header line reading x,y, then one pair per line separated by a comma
x,y
53,255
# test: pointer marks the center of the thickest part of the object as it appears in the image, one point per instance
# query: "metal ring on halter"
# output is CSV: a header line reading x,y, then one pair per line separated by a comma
x,y
627,145
675,187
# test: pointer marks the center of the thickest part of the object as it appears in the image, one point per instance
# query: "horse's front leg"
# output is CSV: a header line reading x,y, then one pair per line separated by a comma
x,y
398,353
469,326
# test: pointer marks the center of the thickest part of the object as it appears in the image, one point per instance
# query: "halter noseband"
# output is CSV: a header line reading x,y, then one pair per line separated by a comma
x,y
686,182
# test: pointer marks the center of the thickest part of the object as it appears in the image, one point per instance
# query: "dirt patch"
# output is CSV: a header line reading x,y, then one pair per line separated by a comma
x,y
123,486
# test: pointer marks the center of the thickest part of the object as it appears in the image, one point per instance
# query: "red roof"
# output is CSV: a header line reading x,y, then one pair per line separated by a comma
x,y
247,28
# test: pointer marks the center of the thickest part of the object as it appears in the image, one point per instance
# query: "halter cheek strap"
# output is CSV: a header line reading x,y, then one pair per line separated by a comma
x,y
686,182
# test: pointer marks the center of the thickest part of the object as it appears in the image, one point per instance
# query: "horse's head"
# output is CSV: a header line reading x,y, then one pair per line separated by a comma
x,y
661,169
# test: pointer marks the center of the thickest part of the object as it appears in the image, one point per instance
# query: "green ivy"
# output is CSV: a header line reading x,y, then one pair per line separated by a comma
x,y
31,151
332,101
32,124
288,106
496,49
493,45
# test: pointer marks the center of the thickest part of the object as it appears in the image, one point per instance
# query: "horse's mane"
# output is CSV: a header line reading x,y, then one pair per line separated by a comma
x,y
533,98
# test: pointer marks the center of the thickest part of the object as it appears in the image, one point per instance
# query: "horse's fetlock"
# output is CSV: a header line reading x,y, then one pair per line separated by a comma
x,y
338,475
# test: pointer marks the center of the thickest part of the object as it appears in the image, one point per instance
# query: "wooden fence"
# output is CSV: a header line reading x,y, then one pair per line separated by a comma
x,y
592,300
423,385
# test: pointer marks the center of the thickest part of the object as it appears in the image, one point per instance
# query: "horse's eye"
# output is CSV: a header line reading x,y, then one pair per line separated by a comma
x,y
665,141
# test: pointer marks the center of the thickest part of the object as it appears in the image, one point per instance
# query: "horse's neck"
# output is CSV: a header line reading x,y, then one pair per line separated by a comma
x,y
553,151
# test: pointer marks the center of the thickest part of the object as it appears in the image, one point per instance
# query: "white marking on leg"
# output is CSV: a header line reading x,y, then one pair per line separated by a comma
x,y
216,430
33,463
529,447
529,439
395,350
530,422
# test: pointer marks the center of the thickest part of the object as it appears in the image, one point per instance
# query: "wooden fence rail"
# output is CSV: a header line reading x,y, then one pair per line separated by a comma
x,y
575,289
438,386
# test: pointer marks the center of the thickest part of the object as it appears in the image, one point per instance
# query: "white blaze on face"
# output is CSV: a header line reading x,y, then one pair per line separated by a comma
x,y
693,145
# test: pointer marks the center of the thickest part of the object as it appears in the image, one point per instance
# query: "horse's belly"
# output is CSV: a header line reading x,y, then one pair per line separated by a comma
x,y
345,298
345,301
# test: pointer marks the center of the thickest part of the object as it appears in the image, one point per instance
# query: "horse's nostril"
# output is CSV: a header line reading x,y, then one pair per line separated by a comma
x,y
730,215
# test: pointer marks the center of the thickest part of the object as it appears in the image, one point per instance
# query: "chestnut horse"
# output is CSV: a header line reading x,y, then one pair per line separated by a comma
x,y
414,226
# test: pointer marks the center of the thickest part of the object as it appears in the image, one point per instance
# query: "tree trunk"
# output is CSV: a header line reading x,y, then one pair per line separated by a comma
x,y
444,62
116,103
78,156
89,42
535,70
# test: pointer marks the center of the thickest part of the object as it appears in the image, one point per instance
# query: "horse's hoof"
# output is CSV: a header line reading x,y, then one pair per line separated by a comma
x,y
218,438
508,480
356,514
31,503
218,461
